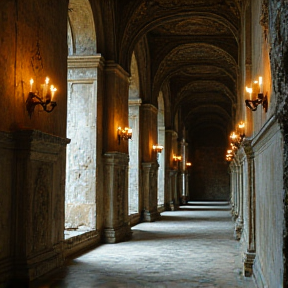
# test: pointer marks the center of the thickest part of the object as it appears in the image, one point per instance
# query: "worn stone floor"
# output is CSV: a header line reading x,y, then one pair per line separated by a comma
x,y
193,247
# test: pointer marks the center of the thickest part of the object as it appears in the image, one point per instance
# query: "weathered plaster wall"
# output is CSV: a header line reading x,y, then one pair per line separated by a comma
x,y
34,45
268,147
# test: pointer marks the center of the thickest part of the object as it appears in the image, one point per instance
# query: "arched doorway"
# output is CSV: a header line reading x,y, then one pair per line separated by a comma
x,y
80,193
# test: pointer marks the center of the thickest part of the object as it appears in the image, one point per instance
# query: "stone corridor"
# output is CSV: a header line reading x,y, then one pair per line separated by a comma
x,y
192,247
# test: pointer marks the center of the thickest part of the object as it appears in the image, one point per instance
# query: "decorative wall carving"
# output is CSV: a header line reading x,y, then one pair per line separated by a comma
x,y
40,210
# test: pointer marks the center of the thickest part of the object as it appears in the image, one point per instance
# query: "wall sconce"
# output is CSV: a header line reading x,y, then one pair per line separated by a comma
x,y
177,158
45,99
158,148
188,164
253,104
229,155
125,133
241,129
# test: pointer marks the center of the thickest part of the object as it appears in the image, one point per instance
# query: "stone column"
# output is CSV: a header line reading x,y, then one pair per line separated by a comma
x,y
149,188
171,200
239,222
38,190
250,253
116,225
150,165
183,173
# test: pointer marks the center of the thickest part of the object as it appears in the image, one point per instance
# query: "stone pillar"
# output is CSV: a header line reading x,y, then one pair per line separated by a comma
x,y
149,133
174,190
82,118
183,174
37,215
116,223
134,167
239,222
149,188
250,253
171,201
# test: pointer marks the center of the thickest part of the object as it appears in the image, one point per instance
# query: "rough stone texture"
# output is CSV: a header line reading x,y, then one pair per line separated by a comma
x,y
190,248
134,163
80,194
209,175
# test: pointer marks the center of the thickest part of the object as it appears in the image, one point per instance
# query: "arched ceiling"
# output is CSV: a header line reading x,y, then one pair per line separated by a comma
x,y
193,49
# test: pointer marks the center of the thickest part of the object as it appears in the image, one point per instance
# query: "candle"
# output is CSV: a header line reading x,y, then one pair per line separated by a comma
x,y
261,84
53,90
31,84
249,90
45,88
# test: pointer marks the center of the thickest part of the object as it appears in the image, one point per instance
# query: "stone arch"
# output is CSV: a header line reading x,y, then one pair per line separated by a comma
x,y
81,29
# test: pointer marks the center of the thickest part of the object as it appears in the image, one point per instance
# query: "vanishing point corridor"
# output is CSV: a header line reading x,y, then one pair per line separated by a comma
x,y
192,247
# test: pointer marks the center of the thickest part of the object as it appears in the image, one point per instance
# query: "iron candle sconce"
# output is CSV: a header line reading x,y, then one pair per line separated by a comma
x,y
45,99
157,148
261,98
124,134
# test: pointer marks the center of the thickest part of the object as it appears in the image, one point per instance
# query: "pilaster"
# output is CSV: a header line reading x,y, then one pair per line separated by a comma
x,y
116,222
171,201
250,253
149,190
38,176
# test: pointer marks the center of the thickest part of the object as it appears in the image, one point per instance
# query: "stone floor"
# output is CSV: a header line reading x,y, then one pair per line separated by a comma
x,y
193,247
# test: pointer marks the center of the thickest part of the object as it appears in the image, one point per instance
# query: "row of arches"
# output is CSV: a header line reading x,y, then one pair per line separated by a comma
x,y
81,162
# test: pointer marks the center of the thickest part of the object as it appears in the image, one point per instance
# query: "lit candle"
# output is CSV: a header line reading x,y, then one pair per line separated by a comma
x,y
261,84
45,88
249,90
53,90
31,84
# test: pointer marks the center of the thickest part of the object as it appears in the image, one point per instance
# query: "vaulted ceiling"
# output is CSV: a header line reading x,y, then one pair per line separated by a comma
x,y
193,48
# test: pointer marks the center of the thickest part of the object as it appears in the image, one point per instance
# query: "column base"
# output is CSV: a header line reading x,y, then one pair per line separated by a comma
x,y
150,216
248,261
115,235
183,200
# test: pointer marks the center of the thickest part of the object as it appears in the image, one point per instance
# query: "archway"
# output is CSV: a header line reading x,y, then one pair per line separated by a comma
x,y
134,111
80,193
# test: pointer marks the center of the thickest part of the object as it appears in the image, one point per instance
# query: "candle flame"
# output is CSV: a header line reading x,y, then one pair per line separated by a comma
x,y
241,125
249,90
260,80
31,81
47,80
53,89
